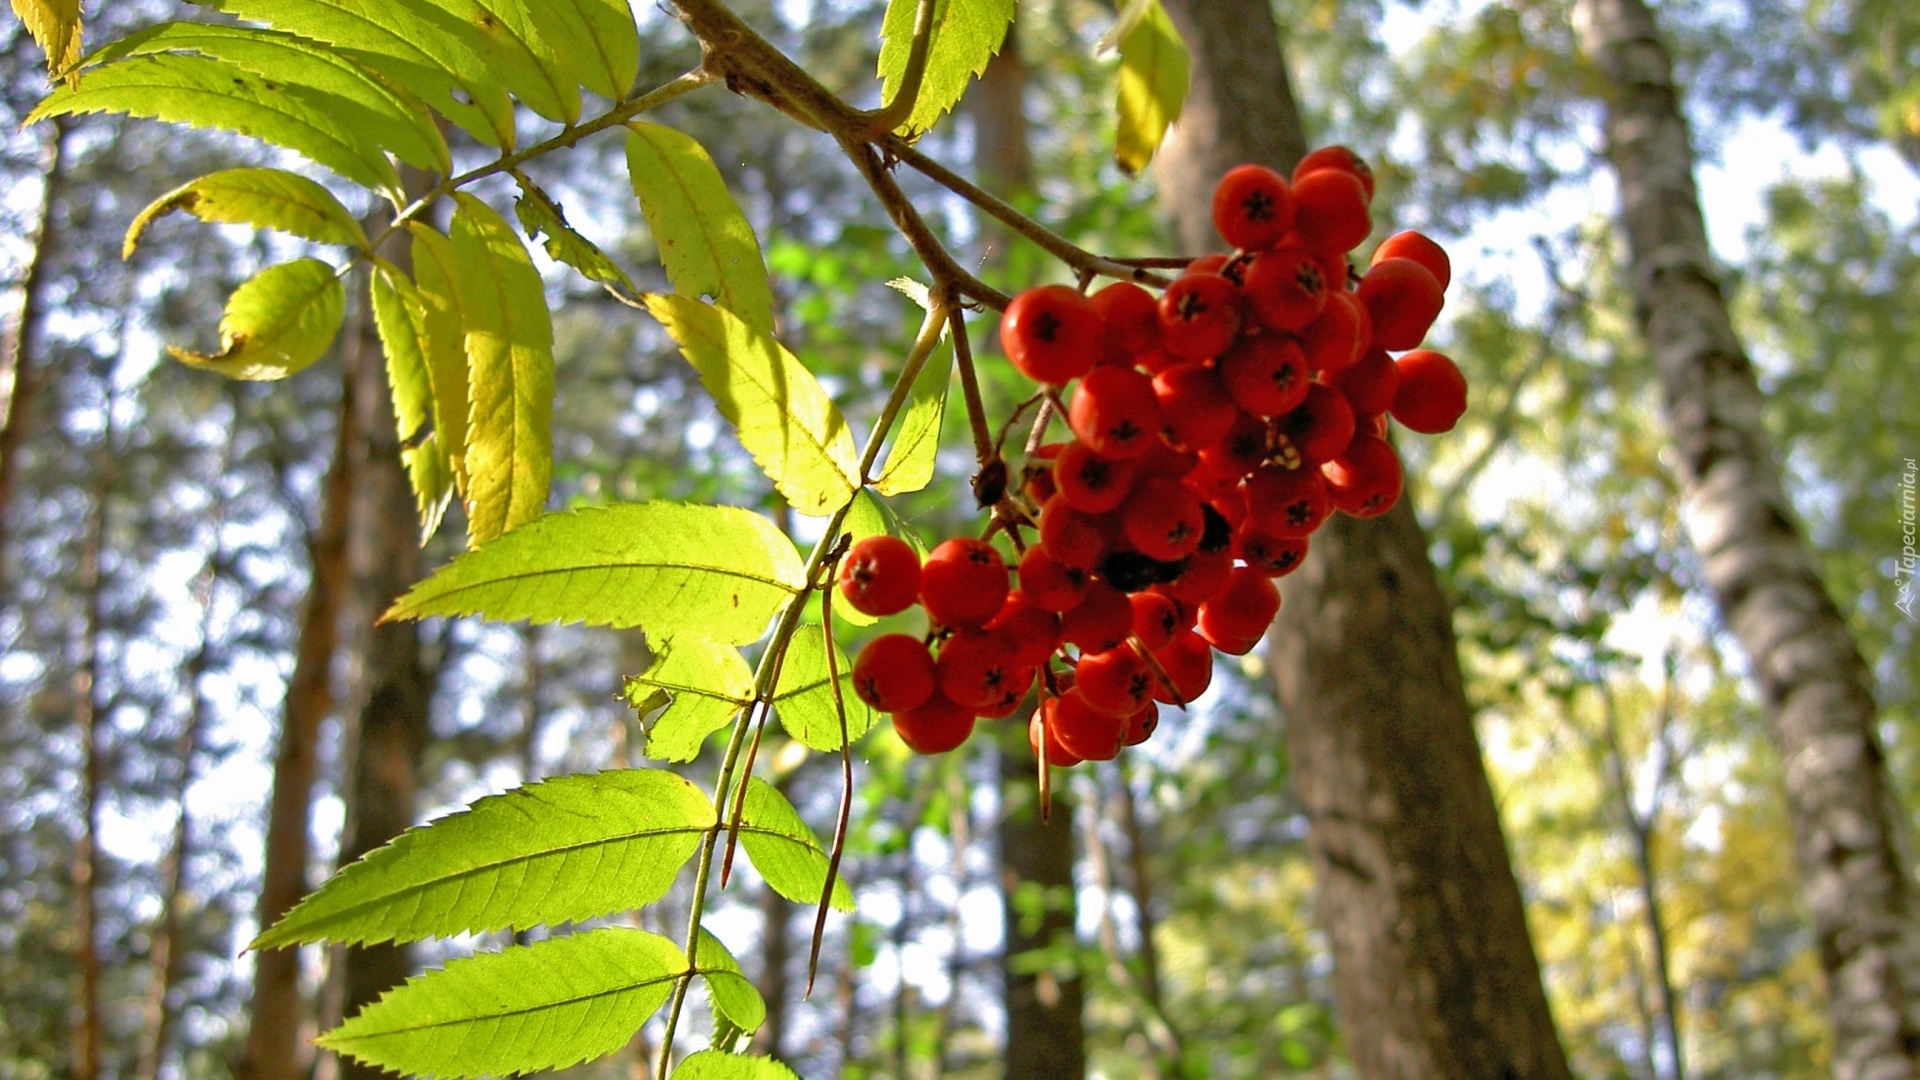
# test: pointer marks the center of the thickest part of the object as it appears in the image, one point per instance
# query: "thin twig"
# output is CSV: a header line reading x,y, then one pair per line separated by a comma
x,y
846,784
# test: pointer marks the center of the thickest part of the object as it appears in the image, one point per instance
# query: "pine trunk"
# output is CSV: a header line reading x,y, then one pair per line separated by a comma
x,y
1435,974
1848,835
20,373
88,706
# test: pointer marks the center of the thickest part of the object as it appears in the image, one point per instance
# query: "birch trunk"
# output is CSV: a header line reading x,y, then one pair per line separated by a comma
x,y
1848,835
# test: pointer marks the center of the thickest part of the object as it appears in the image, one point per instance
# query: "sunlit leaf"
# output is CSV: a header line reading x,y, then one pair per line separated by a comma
x,y
705,243
708,682
916,432
55,24
720,1065
278,322
966,34
804,699
732,995
1154,67
599,39
509,335
547,1005
717,572
401,318
785,850
506,36
263,198
540,216
445,344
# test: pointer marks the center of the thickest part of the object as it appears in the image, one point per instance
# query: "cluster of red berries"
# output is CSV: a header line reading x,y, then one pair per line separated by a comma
x,y
1215,427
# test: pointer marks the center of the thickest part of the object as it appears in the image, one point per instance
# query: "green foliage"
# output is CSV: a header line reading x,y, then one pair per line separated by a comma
x,y
400,316
1154,69
732,995
703,685
717,1065
565,850
704,240
704,571
518,53
916,441
55,24
277,323
440,322
602,32
784,848
781,412
263,198
509,339
540,215
543,1006
805,697
966,34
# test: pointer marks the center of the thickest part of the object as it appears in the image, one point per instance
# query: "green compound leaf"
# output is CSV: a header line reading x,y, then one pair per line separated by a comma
x,y
200,91
400,315
262,198
720,1065
598,36
706,682
571,848
504,34
411,42
705,243
278,322
916,439
717,572
785,851
804,698
540,215
1153,86
55,24
509,335
397,120
547,1005
966,34
434,273
732,995
782,414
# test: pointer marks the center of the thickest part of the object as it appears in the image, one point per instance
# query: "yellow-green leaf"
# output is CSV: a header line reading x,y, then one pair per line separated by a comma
x,y
705,243
729,991
720,1065
916,439
782,414
55,24
966,34
446,349
362,101
540,216
278,322
784,848
1153,86
262,198
401,318
705,682
804,698
599,36
509,335
200,91
432,480
505,35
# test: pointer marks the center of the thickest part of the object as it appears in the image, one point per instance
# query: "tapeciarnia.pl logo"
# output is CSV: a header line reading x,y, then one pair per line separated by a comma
x,y
1904,566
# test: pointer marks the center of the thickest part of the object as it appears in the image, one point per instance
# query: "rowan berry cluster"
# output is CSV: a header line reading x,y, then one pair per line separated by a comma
x,y
1215,427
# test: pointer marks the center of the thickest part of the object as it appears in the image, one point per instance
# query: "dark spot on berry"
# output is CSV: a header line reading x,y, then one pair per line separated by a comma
x,y
1258,206
1307,276
1216,534
1298,513
1046,327
1125,432
1190,307
1130,571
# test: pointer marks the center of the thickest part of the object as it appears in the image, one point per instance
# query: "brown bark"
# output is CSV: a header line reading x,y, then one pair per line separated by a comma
x,y
88,707
1435,975
20,374
1848,835
274,1049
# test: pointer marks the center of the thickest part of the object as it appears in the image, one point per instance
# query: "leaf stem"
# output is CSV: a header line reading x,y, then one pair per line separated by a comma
x,y
897,111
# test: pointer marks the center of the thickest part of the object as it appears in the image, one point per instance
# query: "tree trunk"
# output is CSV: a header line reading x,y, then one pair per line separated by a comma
x,y
1435,975
88,1043
20,373
1848,835
274,1049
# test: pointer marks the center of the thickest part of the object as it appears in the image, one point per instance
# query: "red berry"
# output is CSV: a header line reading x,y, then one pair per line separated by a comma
x,y
1195,408
1339,337
1049,583
894,672
1241,610
1265,375
1286,288
1052,334
1403,299
1252,207
1071,537
1115,413
1288,502
1242,449
1339,158
1140,726
1206,264
1199,315
1432,394
1082,730
1115,682
1100,622
1370,384
1132,318
1321,427
1089,482
1032,630
963,583
1271,554
1162,519
1366,480
1038,732
976,667
934,727
1419,248
880,575
1205,575
1330,210
1156,619
1188,663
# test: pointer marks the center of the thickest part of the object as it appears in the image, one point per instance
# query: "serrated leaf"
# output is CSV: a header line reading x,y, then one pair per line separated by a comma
x,y
916,439
785,850
720,1065
200,91
400,316
540,216
276,323
262,198
504,33
445,343
547,1005
803,699
431,477
781,412
731,994
705,243
55,24
567,849
509,336
408,41
600,36
709,682
1153,86
966,34
329,80
717,572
